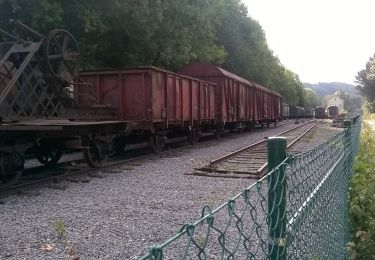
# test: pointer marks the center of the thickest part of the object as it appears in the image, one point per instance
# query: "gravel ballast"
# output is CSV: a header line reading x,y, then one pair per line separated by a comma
x,y
122,215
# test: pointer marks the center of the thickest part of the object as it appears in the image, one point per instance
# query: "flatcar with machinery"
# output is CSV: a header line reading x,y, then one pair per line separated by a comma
x,y
37,110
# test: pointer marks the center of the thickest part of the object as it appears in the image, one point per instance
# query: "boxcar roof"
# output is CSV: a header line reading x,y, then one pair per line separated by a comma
x,y
202,69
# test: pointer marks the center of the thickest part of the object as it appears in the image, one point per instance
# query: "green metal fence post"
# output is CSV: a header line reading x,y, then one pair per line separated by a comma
x,y
347,123
276,198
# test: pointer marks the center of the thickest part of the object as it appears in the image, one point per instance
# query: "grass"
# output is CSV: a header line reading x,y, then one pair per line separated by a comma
x,y
59,227
362,197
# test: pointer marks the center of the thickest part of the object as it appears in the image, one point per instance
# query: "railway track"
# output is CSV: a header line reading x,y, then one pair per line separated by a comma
x,y
76,170
250,161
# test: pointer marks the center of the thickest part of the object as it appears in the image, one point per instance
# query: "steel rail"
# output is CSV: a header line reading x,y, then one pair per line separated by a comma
x,y
256,144
92,171
231,171
262,169
76,173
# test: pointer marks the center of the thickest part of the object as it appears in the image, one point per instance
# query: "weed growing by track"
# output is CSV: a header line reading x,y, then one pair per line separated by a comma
x,y
59,227
362,198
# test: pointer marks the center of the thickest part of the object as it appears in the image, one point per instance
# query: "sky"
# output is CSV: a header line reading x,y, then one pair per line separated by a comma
x,y
320,40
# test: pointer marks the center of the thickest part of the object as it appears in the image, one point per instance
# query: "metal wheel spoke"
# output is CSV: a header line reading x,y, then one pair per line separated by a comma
x,y
65,42
57,43
55,56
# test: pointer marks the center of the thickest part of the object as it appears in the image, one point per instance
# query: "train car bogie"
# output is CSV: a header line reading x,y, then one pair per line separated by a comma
x,y
96,150
157,142
119,143
48,153
193,135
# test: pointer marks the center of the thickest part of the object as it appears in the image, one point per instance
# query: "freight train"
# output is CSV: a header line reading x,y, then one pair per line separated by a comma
x,y
47,107
157,103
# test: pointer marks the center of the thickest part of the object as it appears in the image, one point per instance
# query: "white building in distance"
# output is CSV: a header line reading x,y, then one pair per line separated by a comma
x,y
335,100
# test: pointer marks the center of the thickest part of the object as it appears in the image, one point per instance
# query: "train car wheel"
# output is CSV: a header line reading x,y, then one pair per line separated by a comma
x,y
11,169
48,155
156,142
94,153
193,136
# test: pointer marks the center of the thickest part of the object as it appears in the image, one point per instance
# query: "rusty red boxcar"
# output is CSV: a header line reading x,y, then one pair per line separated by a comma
x,y
269,105
240,103
155,101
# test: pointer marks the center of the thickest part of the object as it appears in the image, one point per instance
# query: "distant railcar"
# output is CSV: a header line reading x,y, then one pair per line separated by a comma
x,y
332,111
239,102
296,112
309,112
320,112
285,111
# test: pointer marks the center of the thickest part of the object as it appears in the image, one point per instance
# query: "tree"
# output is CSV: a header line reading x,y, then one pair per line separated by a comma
x,y
163,33
311,97
351,102
366,83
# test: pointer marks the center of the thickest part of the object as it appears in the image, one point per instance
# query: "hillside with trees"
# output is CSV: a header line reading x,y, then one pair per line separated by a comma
x,y
167,34
329,88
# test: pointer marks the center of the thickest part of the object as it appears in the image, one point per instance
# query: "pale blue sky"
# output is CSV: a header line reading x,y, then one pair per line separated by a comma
x,y
320,40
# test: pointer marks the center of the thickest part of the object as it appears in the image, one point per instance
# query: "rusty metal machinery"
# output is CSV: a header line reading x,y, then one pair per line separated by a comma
x,y
37,78
37,82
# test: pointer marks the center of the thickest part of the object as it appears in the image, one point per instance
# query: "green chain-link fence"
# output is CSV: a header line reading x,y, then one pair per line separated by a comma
x,y
297,211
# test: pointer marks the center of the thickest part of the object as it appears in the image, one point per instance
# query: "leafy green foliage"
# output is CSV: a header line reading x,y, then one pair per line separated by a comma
x,y
311,98
351,103
164,33
366,82
362,198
